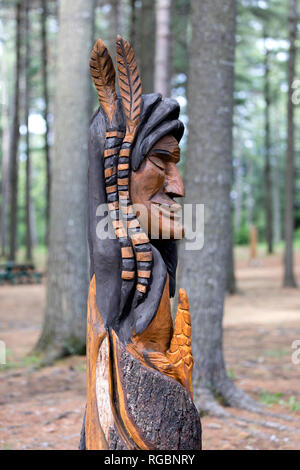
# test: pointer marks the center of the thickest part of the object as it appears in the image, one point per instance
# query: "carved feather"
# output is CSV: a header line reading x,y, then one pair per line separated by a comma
x,y
180,351
103,74
130,87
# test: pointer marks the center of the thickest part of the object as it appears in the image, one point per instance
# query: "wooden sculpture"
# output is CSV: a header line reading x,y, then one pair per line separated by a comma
x,y
139,367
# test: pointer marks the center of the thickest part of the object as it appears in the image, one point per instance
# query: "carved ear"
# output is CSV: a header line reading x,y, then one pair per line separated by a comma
x,y
130,87
103,73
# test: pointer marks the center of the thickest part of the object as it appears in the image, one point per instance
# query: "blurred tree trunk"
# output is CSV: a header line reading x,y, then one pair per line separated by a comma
x,y
5,111
44,58
289,278
239,189
231,280
146,44
276,201
14,138
29,208
133,23
208,176
162,47
67,284
268,175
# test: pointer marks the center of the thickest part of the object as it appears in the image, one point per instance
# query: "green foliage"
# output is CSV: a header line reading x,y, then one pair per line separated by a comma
x,y
241,236
271,398
277,399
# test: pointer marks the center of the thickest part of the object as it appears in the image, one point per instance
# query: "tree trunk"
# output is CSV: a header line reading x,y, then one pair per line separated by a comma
x,y
208,181
64,324
14,139
231,280
4,164
44,15
268,175
289,278
162,47
132,32
239,189
28,156
276,201
146,45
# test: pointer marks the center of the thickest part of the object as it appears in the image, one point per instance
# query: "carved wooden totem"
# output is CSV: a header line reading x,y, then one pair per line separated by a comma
x,y
139,366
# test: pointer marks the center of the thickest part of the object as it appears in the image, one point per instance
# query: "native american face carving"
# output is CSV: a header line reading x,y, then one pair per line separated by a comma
x,y
154,185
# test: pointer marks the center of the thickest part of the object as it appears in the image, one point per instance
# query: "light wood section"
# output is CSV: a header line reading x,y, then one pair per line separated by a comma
x,y
145,274
144,256
139,238
111,189
110,171
128,275
127,252
94,436
110,152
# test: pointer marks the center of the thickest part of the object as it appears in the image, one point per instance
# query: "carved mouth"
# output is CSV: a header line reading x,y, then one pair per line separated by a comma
x,y
172,211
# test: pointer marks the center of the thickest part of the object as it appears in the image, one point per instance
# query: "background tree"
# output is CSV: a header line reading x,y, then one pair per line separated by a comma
x,y
29,215
44,59
162,47
145,46
268,174
208,181
289,278
64,324
14,138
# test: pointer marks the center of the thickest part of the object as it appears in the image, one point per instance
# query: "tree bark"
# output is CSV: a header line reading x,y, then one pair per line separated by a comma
x,y
268,174
289,277
238,204
162,47
14,139
146,45
133,15
208,181
28,156
67,285
4,164
44,15
231,280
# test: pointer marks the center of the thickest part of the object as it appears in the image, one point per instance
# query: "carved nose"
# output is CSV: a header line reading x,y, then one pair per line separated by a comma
x,y
174,186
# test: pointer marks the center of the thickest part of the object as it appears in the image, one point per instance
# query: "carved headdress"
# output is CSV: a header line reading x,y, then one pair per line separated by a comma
x,y
123,130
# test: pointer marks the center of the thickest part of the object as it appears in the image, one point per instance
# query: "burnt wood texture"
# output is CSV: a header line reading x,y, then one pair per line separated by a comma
x,y
139,365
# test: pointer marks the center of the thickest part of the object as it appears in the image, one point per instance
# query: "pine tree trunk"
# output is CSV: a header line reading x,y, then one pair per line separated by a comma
x,y
14,139
231,280
64,324
268,175
44,15
289,277
162,47
28,156
208,181
239,189
4,164
146,44
276,201
133,22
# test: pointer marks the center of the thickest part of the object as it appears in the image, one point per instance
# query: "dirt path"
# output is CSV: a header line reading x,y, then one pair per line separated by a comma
x,y
42,408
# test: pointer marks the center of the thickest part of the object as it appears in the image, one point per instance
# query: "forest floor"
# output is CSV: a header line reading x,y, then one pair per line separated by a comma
x,y
42,408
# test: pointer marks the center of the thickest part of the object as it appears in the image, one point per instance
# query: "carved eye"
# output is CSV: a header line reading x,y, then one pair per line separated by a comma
x,y
161,164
